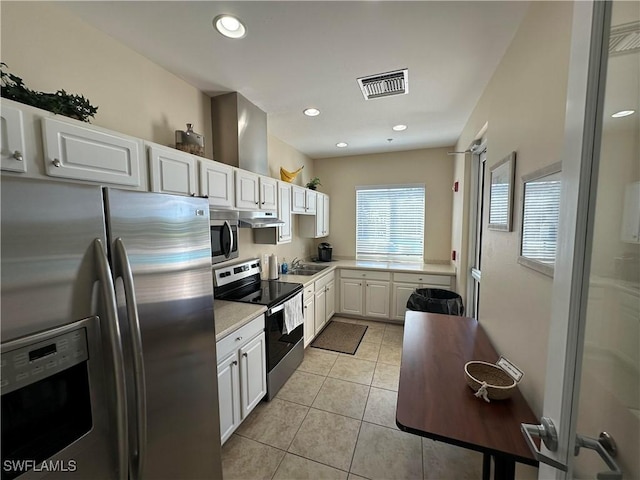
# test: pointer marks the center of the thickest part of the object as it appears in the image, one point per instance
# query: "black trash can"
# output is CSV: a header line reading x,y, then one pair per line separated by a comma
x,y
436,300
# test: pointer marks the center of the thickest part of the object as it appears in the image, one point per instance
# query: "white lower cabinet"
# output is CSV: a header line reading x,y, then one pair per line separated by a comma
x,y
242,374
309,315
365,293
325,300
404,284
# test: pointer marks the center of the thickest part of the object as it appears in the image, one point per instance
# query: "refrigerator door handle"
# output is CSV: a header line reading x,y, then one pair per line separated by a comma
x,y
115,347
122,269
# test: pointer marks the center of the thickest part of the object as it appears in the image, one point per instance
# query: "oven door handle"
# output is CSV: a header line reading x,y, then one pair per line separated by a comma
x,y
115,346
277,309
122,269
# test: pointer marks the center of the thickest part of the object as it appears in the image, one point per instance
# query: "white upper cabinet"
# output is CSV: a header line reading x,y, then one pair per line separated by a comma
x,y
172,171
284,212
303,200
256,192
268,193
14,153
247,193
76,151
216,182
316,226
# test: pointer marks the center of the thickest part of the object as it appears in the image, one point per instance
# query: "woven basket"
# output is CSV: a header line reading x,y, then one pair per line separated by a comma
x,y
500,385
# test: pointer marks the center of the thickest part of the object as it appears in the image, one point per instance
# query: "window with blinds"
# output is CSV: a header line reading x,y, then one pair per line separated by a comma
x,y
540,219
390,222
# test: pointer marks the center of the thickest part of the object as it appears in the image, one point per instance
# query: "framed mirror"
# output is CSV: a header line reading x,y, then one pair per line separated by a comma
x,y
501,193
540,214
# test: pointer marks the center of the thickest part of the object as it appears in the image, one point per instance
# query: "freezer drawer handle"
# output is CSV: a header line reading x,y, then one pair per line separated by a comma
x,y
605,445
115,343
123,270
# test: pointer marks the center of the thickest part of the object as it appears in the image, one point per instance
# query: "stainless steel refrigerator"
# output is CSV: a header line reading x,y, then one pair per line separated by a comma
x,y
108,340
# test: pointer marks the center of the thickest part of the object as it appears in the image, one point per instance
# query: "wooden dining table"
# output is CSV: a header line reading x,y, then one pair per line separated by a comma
x,y
434,400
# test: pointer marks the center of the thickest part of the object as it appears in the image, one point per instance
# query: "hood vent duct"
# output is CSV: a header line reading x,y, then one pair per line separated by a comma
x,y
239,131
385,84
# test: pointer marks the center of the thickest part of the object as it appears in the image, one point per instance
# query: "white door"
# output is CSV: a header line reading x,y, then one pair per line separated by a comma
x,y
477,209
284,212
309,317
319,215
377,299
253,373
321,309
228,396
268,193
247,192
351,296
12,144
330,291
172,171
593,367
216,182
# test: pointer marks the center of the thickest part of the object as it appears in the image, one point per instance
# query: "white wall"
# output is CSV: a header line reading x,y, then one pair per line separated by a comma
x,y
524,105
433,167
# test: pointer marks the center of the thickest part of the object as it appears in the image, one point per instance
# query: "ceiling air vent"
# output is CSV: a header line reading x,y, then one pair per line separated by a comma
x,y
385,84
624,38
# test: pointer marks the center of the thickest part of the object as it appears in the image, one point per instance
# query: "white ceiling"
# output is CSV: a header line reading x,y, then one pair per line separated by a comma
x,y
299,54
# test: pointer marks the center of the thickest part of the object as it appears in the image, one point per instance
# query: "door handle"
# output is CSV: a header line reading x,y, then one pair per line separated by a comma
x,y
546,431
606,448
115,346
122,269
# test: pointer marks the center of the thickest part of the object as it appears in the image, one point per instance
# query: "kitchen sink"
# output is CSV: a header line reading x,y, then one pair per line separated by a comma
x,y
307,270
302,271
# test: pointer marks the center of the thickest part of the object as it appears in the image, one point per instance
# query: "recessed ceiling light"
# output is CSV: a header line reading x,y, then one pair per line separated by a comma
x,y
623,113
399,128
342,145
229,26
311,112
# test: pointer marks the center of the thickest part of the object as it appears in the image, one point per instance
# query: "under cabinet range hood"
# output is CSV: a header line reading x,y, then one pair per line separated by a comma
x,y
259,220
239,131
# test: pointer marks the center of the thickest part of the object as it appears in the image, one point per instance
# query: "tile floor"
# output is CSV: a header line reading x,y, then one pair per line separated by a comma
x,y
335,419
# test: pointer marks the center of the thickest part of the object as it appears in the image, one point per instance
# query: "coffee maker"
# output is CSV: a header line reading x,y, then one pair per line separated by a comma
x,y
324,252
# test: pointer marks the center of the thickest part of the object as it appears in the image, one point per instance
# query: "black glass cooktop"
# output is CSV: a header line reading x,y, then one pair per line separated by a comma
x,y
264,292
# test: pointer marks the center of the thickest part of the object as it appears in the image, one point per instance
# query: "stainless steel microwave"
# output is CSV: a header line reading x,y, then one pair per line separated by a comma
x,y
224,235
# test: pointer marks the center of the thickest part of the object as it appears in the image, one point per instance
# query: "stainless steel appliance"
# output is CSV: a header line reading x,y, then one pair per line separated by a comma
x,y
224,235
108,342
241,283
324,252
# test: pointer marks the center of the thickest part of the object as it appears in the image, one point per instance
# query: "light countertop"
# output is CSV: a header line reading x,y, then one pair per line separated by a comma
x,y
229,316
394,267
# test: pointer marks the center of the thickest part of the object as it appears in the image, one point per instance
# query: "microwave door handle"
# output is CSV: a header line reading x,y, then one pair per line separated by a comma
x,y
122,270
115,346
227,225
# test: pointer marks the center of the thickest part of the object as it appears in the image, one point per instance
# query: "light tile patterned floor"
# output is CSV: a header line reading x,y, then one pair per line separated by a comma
x,y
335,419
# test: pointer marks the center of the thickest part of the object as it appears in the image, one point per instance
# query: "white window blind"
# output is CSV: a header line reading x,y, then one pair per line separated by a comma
x,y
540,219
390,222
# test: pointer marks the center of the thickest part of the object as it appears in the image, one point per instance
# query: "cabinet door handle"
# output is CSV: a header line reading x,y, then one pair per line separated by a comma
x,y
238,339
235,362
56,163
17,155
263,203
245,354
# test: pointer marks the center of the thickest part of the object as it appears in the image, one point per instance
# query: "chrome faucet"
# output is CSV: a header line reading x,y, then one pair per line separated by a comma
x,y
295,263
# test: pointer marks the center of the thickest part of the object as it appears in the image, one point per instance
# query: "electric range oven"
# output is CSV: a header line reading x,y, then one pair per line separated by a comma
x,y
241,283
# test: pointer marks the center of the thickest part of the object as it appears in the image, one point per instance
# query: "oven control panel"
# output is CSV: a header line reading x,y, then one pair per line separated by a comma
x,y
232,273
26,365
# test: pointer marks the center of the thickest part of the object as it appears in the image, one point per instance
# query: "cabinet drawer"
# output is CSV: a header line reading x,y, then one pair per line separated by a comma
x,y
239,337
322,282
444,280
309,292
367,274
